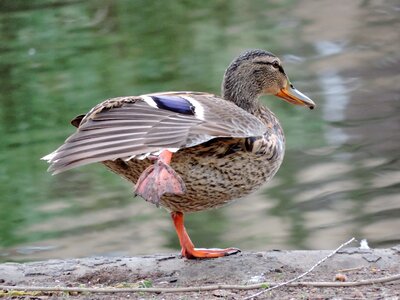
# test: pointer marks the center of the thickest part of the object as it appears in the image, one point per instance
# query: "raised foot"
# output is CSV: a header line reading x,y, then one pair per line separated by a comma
x,y
208,253
157,180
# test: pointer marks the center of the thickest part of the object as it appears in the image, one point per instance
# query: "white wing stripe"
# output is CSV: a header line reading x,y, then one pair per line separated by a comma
x,y
149,101
198,108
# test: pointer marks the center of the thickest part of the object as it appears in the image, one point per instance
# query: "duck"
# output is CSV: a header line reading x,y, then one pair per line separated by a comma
x,y
190,151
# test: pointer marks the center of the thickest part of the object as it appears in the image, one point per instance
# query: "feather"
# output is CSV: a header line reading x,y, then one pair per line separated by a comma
x,y
130,127
175,104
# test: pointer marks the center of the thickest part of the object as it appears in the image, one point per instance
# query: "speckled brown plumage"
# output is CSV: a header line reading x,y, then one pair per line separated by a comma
x,y
216,172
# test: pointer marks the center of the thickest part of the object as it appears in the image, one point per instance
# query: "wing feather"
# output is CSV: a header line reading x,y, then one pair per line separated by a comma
x,y
129,126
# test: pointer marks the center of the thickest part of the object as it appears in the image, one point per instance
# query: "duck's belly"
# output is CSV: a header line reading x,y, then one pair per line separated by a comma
x,y
212,178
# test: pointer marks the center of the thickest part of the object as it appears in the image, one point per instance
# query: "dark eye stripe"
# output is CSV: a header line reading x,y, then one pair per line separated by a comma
x,y
279,67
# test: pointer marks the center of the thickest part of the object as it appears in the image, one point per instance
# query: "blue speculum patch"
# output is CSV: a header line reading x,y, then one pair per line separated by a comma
x,y
173,103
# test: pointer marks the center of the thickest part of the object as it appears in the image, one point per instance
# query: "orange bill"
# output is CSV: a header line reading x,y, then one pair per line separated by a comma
x,y
294,96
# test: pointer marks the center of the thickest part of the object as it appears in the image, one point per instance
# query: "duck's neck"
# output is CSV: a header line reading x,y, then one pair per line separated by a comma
x,y
243,94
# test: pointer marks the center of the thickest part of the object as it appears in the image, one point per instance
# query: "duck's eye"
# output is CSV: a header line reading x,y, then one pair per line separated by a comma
x,y
275,64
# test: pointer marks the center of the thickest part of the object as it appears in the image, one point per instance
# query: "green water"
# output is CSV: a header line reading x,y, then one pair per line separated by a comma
x,y
340,177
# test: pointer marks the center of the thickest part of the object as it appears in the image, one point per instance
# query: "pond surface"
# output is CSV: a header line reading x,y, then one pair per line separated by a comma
x,y
340,177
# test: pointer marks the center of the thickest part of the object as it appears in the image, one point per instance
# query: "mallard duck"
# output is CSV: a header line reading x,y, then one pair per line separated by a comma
x,y
189,151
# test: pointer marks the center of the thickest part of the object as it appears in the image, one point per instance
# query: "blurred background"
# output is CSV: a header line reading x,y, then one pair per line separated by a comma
x,y
340,177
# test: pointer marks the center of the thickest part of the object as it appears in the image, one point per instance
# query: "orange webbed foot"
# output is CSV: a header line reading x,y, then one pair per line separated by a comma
x,y
159,179
208,253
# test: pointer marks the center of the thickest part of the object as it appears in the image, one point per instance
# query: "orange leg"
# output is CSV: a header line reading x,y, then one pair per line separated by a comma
x,y
188,249
159,179
165,156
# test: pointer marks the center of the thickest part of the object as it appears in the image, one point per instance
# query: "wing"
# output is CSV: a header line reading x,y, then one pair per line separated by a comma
x,y
135,127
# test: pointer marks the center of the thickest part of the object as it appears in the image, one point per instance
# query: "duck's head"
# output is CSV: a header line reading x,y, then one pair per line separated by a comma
x,y
255,73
